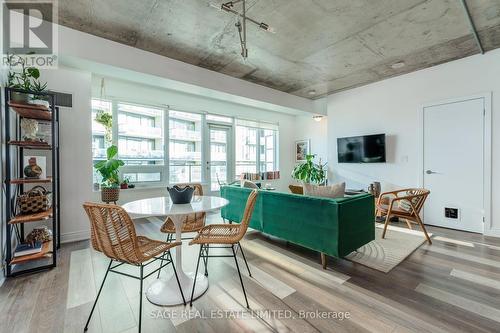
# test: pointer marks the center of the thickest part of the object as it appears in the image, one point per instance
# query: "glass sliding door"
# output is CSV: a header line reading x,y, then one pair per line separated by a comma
x,y
218,163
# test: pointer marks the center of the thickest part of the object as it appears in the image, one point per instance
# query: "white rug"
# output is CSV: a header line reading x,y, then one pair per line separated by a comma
x,y
385,254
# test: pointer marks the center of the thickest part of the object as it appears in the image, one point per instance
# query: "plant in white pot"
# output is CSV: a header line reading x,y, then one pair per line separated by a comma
x,y
108,169
310,172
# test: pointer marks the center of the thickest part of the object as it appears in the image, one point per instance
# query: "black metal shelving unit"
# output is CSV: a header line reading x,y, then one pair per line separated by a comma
x,y
14,182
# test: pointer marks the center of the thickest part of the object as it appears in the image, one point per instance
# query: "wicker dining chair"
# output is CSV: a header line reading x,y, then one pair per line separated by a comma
x,y
227,235
405,204
192,222
113,234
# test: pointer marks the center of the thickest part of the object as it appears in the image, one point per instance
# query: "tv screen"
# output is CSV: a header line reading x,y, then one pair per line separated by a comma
x,y
361,149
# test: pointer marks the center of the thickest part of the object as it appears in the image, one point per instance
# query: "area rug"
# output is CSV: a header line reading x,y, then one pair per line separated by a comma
x,y
385,254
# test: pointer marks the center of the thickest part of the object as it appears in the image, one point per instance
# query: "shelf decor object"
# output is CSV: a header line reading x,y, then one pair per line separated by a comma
x,y
23,172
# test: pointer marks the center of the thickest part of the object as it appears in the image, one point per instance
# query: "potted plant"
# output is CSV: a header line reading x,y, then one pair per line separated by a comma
x,y
125,183
25,78
310,172
106,120
108,169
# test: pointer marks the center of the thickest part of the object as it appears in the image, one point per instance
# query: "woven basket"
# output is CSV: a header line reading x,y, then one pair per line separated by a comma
x,y
110,194
36,200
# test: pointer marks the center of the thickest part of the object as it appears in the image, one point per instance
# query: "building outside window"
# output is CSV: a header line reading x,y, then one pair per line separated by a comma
x,y
246,150
256,148
185,147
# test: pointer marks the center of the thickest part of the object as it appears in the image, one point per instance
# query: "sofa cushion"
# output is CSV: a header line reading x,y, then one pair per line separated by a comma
x,y
249,184
331,191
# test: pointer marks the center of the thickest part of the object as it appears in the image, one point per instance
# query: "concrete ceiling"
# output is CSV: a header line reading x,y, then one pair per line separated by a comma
x,y
321,45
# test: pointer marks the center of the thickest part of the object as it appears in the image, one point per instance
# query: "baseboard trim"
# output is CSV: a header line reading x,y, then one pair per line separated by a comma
x,y
492,233
75,236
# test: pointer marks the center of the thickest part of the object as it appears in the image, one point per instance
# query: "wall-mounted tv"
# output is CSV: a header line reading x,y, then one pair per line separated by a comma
x,y
361,149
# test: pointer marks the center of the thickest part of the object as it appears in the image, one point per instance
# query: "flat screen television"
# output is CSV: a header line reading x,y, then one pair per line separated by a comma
x,y
361,149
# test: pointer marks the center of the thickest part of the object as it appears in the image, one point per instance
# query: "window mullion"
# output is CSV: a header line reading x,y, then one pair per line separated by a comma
x,y
166,147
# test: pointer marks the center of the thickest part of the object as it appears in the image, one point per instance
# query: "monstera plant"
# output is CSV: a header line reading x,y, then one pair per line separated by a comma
x,y
108,169
310,172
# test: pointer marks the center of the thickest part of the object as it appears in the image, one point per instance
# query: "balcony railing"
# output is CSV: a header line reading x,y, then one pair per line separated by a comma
x,y
184,135
140,131
188,155
136,155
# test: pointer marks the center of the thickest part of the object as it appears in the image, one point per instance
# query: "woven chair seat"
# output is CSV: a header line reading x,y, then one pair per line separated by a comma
x,y
218,234
192,223
150,248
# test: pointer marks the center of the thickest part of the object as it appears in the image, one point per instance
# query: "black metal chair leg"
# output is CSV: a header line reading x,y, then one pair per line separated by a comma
x,y
97,297
195,276
176,277
140,298
207,248
239,274
244,258
161,263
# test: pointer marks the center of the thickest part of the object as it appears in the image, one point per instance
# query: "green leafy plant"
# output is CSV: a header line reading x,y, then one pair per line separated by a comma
x,y
126,180
26,78
109,168
106,120
309,171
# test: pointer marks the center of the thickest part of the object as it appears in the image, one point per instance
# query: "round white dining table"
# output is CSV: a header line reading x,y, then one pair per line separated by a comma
x,y
165,291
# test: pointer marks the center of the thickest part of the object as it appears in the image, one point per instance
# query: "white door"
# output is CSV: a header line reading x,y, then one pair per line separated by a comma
x,y
454,164
218,162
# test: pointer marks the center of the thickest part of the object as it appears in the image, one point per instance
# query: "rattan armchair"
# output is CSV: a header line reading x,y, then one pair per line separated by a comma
x,y
227,235
113,234
405,204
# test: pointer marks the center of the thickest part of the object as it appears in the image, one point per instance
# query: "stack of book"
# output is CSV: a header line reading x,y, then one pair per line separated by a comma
x,y
25,249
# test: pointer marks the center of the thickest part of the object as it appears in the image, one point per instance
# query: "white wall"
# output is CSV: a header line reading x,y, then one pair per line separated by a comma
x,y
392,107
75,154
308,129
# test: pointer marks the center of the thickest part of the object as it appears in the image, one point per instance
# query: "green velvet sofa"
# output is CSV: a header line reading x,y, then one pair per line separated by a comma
x,y
334,227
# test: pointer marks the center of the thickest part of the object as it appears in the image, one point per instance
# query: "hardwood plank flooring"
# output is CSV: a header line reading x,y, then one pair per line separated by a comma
x,y
450,286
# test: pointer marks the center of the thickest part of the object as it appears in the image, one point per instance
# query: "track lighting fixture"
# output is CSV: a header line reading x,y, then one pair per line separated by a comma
x,y
242,21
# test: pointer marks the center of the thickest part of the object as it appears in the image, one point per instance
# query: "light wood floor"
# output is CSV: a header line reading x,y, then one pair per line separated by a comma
x,y
451,286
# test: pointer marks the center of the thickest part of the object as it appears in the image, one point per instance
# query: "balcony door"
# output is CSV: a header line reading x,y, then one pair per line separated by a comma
x,y
219,157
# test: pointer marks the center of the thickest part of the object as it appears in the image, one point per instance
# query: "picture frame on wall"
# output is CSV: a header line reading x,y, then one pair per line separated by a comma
x,y
302,149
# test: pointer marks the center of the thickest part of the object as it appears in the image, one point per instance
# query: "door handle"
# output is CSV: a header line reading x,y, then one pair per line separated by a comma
x,y
430,172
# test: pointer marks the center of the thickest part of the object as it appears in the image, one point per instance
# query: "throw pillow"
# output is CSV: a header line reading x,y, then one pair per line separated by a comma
x,y
249,184
331,191
406,205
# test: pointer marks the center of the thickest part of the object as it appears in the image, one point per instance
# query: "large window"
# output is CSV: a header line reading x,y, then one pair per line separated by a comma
x,y
246,150
185,147
256,151
161,146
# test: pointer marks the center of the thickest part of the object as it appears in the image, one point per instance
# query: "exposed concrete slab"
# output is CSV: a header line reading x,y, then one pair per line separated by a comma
x,y
323,45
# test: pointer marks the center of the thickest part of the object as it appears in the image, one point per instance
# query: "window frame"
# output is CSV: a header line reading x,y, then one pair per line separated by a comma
x,y
164,169
259,162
